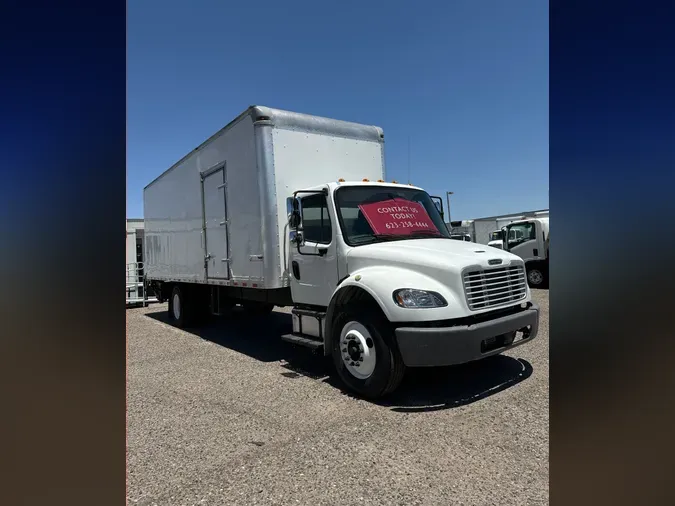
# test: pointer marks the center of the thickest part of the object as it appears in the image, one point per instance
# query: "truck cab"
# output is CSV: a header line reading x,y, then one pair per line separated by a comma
x,y
529,239
496,239
377,281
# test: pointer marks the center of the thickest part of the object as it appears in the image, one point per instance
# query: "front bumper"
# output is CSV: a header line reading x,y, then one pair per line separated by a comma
x,y
428,347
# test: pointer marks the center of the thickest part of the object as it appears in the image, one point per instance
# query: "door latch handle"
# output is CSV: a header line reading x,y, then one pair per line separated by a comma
x,y
208,257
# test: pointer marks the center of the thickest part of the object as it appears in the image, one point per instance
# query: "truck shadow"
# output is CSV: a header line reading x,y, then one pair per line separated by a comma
x,y
422,389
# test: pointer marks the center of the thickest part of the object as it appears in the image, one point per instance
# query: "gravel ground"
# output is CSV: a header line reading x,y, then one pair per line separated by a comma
x,y
230,414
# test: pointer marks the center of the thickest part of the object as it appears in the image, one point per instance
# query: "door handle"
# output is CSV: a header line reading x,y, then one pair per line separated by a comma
x,y
208,257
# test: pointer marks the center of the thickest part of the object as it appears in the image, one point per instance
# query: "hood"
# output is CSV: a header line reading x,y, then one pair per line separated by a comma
x,y
434,254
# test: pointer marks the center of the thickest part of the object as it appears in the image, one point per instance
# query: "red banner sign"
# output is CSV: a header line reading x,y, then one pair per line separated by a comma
x,y
400,217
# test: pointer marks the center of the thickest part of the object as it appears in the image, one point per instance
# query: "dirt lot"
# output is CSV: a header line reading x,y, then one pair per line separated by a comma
x,y
230,414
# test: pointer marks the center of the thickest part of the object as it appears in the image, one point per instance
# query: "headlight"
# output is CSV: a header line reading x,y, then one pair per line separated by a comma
x,y
411,298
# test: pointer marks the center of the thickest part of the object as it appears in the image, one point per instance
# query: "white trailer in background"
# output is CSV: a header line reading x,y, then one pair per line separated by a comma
x,y
136,292
286,209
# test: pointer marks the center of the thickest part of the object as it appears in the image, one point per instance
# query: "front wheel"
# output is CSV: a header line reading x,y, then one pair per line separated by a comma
x,y
366,361
536,277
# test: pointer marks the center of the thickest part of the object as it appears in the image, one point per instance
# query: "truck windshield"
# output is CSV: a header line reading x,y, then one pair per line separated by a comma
x,y
520,233
378,213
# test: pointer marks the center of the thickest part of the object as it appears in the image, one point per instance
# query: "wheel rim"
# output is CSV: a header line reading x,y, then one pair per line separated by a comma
x,y
357,349
535,277
176,306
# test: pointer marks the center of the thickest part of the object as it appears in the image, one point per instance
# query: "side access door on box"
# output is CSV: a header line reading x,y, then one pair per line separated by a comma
x,y
215,223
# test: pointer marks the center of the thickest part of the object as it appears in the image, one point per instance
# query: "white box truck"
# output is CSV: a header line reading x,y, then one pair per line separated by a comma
x,y
287,209
529,238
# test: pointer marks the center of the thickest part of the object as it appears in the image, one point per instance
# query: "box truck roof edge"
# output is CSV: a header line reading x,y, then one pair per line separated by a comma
x,y
280,118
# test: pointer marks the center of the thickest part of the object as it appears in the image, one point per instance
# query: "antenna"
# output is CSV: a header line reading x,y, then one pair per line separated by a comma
x,y
408,159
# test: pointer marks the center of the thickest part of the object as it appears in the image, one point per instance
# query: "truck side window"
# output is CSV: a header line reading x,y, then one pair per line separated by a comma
x,y
316,224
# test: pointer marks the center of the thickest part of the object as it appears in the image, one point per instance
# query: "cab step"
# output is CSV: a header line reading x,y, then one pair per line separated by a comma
x,y
301,340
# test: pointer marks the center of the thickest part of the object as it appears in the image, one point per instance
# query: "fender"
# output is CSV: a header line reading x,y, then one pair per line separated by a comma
x,y
380,282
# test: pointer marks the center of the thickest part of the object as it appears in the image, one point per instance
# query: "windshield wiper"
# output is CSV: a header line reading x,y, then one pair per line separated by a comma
x,y
427,233
389,237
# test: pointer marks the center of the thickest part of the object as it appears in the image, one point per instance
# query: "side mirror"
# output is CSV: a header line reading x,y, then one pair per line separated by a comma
x,y
294,219
438,202
293,212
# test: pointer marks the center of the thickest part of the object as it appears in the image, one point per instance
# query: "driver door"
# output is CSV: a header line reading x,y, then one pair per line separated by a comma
x,y
314,260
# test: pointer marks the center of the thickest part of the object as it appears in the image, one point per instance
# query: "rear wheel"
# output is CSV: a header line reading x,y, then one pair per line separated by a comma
x,y
365,355
179,309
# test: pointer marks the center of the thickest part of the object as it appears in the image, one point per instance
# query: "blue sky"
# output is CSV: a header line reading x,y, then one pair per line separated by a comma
x,y
466,81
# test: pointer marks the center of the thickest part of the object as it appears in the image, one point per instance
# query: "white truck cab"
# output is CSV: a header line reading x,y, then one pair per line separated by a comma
x,y
375,277
461,237
496,239
529,238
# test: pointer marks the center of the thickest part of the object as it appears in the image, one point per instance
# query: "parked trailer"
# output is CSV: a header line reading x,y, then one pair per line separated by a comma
x,y
286,209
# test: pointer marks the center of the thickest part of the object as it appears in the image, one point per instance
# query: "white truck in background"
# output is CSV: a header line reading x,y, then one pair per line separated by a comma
x,y
460,237
496,239
286,209
529,238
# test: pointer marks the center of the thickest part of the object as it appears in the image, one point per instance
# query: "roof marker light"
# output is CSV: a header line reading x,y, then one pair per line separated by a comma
x,y
341,180
394,181
366,180
380,180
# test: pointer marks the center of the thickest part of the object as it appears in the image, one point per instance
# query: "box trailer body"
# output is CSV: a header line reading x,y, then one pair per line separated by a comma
x,y
286,209
247,170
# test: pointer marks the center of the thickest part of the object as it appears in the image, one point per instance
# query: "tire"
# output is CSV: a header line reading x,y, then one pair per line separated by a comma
x,y
179,307
537,277
371,379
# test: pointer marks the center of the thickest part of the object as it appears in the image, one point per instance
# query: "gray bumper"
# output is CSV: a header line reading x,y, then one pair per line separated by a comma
x,y
427,347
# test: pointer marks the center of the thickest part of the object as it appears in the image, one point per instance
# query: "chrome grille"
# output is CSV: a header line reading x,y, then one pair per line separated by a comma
x,y
486,288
